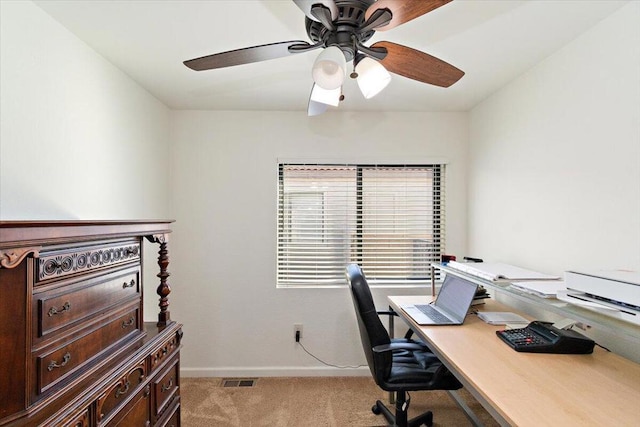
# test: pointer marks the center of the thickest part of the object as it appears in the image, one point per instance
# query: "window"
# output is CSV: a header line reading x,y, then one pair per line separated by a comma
x,y
387,218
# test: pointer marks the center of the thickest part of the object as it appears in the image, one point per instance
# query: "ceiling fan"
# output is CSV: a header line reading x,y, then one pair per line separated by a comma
x,y
340,28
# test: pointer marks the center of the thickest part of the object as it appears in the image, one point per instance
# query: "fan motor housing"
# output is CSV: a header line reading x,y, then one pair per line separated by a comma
x,y
351,15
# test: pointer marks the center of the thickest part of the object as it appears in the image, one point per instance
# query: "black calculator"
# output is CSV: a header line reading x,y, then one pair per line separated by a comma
x,y
543,337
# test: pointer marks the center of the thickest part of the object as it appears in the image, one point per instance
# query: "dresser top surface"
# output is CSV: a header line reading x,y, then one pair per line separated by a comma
x,y
21,233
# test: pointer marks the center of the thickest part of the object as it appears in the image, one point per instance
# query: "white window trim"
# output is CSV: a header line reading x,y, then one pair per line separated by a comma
x,y
425,281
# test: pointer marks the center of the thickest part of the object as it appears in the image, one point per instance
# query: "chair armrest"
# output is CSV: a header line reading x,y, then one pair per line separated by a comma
x,y
387,313
398,346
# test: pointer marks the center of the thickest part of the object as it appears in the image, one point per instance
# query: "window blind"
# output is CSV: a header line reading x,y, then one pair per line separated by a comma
x,y
387,218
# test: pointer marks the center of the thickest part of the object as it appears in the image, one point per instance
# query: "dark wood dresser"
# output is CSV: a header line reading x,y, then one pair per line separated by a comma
x,y
74,347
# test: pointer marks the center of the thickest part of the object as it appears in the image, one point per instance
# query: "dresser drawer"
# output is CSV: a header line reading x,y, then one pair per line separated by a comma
x,y
135,413
58,364
120,390
73,302
165,388
166,350
78,420
174,418
54,264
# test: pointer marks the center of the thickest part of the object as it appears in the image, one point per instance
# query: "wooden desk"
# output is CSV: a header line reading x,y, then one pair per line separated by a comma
x,y
529,389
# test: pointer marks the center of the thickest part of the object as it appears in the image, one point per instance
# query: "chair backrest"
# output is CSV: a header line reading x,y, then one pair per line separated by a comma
x,y
372,331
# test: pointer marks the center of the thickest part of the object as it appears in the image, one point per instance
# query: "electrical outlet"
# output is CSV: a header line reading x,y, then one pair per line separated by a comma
x,y
297,332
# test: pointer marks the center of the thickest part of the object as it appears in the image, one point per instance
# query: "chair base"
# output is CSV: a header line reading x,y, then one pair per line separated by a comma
x,y
399,419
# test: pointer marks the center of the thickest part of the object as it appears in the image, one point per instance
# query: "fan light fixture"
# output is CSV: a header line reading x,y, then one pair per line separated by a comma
x,y
372,77
330,68
316,108
329,97
320,100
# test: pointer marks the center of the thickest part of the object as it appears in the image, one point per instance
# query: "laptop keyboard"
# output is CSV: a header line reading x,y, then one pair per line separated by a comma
x,y
433,313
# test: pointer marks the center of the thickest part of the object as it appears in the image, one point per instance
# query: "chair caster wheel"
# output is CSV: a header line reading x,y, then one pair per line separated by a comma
x,y
376,409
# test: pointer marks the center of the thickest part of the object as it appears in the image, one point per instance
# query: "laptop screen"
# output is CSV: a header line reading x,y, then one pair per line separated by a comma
x,y
455,296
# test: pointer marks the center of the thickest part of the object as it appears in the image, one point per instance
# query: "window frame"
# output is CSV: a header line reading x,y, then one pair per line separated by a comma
x,y
437,219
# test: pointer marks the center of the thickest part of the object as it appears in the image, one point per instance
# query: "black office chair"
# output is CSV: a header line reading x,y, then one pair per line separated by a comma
x,y
397,366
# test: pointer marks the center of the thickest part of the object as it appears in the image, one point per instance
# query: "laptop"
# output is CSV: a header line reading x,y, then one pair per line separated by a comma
x,y
450,306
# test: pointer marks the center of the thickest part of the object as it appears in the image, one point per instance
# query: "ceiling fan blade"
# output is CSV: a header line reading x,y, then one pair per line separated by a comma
x,y
403,11
305,6
418,65
246,55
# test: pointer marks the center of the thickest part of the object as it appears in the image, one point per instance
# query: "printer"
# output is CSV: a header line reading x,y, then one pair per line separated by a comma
x,y
616,292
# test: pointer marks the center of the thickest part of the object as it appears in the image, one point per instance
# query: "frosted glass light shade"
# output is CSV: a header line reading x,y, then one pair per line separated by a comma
x,y
324,96
330,68
316,108
372,77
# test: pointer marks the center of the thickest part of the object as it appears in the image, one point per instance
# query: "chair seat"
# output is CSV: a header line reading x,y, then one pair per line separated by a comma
x,y
417,368
416,372
425,358
411,378
407,354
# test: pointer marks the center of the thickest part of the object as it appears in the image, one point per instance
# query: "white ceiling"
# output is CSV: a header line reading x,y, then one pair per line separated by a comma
x,y
492,41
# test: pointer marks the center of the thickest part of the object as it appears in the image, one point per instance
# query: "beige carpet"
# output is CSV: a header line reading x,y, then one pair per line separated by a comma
x,y
308,402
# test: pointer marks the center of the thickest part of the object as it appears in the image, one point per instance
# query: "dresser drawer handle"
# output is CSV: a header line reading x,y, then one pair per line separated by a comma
x,y
54,364
131,284
65,307
120,392
168,387
130,322
129,251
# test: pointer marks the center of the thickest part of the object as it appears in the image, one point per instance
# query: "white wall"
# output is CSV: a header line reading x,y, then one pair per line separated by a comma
x,y
554,178
78,138
223,250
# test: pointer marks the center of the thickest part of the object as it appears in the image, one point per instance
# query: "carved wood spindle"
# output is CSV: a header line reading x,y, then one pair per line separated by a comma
x,y
164,289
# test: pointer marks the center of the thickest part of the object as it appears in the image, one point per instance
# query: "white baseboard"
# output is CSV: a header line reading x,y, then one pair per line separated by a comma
x,y
273,372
